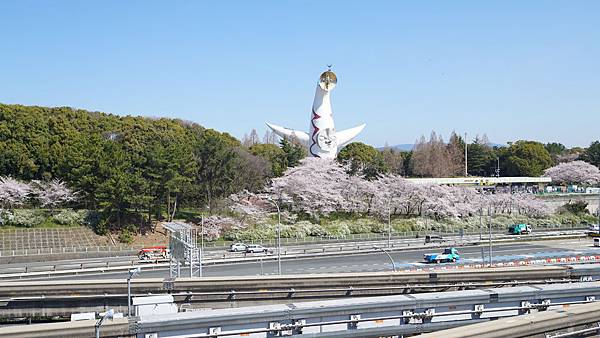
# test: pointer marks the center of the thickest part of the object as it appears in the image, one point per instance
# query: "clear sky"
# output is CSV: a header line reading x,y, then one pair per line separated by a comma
x,y
511,69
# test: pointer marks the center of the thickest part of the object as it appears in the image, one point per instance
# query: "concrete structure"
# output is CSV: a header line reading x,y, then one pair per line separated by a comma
x,y
580,320
322,140
61,298
369,317
481,181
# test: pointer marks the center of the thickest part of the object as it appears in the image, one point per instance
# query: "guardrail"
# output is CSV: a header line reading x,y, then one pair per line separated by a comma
x,y
357,317
117,266
365,317
60,298
550,324
221,245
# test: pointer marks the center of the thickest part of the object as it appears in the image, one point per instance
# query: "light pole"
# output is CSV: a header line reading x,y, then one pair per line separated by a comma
x,y
201,243
132,273
389,256
481,234
466,162
109,314
278,236
389,241
490,233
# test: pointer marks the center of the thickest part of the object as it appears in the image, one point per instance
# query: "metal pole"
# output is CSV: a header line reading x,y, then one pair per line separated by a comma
x,y
389,241
278,239
278,236
262,272
490,234
97,330
466,165
128,296
192,259
389,256
201,243
480,224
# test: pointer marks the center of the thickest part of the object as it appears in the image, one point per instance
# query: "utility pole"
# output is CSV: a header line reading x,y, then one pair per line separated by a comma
x,y
466,166
276,204
490,233
481,235
389,241
201,243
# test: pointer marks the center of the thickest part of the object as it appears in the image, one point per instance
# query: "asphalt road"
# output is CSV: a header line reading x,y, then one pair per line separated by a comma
x,y
378,261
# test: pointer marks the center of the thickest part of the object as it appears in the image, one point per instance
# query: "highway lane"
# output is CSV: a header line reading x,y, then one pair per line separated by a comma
x,y
372,261
44,263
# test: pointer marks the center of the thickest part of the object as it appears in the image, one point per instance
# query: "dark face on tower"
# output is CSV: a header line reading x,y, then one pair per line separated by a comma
x,y
326,140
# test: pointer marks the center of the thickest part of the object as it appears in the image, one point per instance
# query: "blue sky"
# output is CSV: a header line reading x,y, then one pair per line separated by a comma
x,y
510,69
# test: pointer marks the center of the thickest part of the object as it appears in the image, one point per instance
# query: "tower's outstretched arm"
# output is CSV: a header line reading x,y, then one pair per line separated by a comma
x,y
345,136
290,133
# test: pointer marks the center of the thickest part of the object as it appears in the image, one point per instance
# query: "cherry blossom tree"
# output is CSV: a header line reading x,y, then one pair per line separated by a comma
x,y
13,193
576,172
53,193
319,187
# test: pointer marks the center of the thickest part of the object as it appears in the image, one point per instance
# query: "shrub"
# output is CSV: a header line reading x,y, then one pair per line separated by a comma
x,y
27,217
360,225
336,229
127,234
577,207
71,217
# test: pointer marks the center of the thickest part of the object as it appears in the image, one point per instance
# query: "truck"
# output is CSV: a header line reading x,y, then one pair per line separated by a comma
x,y
154,253
449,255
519,229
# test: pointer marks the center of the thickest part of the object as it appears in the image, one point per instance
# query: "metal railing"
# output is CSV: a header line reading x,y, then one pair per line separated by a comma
x,y
219,245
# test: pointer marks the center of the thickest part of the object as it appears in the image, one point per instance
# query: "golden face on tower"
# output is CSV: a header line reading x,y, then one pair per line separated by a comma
x,y
328,80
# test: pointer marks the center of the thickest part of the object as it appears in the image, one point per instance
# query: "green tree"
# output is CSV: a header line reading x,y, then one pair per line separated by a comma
x,y
272,153
555,150
363,159
294,151
480,158
216,159
592,154
525,158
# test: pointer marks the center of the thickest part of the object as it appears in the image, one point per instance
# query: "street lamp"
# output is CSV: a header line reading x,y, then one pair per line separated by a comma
x,y
389,242
109,314
132,273
490,233
278,235
389,256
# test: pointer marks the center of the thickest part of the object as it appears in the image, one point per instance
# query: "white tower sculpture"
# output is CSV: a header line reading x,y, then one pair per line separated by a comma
x,y
322,140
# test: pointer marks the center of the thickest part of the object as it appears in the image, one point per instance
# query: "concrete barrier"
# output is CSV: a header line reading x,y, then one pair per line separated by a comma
x,y
541,323
118,327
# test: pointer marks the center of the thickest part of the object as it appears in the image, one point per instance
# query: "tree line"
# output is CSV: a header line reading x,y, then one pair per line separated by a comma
x,y
133,170
434,157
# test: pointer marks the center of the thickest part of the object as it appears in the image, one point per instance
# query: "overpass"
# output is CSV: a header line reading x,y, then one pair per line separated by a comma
x,y
357,317
61,298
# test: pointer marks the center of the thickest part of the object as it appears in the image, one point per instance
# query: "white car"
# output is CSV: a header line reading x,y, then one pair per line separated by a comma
x,y
235,247
254,248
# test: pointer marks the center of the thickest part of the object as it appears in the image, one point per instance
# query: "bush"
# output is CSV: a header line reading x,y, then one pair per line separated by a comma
x,y
71,217
360,226
27,217
127,234
577,207
336,229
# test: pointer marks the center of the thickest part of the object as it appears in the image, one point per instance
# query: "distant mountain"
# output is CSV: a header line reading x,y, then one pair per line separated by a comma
x,y
409,146
400,147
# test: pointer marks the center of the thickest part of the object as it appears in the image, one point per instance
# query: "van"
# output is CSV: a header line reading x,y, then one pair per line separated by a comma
x,y
596,241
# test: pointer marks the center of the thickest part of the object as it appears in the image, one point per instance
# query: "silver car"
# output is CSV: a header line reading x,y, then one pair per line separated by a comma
x,y
235,247
255,248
